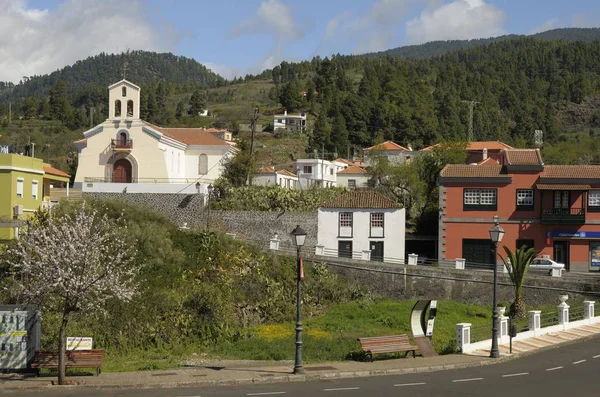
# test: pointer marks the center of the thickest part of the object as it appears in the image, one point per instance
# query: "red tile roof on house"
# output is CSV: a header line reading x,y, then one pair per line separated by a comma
x,y
523,157
353,170
190,136
387,145
341,160
271,170
84,140
357,199
489,145
571,172
473,171
53,171
488,161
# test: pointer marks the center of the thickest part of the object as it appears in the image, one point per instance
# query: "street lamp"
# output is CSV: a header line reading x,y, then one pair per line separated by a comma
x,y
210,189
198,187
298,236
496,234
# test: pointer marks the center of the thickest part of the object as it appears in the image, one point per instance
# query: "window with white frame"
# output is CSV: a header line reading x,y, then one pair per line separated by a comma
x,y
352,183
376,224
594,200
34,190
345,224
525,199
20,187
202,164
480,199
307,169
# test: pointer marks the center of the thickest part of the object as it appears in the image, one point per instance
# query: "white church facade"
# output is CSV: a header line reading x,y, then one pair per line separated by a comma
x,y
127,154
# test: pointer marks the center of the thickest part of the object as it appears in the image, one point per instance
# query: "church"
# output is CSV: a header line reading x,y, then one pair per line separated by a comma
x,y
127,154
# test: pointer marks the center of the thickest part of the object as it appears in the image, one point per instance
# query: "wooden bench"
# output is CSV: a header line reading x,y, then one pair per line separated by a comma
x,y
387,344
73,359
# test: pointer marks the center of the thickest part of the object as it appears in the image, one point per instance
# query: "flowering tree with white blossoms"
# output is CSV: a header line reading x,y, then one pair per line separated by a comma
x,y
73,263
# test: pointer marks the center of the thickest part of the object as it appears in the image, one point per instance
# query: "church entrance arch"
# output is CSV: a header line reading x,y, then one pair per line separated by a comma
x,y
122,171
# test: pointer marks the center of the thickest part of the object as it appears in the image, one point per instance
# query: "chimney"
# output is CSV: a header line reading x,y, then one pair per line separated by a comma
x,y
484,157
410,147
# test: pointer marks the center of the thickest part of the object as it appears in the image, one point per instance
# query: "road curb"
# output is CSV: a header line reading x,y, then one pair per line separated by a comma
x,y
7,389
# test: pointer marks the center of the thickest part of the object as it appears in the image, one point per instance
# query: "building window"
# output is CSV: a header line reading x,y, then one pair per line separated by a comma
x,y
307,169
594,200
117,108
203,164
20,187
130,108
562,199
124,91
480,199
525,199
376,224
352,183
331,171
34,190
345,224
528,243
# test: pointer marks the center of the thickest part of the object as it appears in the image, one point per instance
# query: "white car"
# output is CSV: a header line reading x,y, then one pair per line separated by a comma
x,y
546,264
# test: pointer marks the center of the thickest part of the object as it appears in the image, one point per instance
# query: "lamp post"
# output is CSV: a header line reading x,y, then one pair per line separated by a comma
x,y
210,189
298,236
496,234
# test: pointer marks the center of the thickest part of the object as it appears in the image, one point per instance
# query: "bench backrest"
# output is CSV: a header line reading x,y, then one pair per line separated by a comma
x,y
72,355
384,340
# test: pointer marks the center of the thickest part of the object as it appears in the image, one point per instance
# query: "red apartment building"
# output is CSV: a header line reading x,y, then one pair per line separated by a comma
x,y
553,208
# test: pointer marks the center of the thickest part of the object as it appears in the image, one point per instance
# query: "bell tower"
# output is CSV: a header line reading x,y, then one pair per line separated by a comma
x,y
123,101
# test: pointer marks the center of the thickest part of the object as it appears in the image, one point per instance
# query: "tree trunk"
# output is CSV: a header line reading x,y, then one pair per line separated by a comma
x,y
517,309
62,339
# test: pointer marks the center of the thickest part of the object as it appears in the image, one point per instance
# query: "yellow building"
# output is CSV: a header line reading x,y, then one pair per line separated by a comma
x,y
24,188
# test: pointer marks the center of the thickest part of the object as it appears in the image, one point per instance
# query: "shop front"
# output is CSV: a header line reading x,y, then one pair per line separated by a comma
x,y
578,250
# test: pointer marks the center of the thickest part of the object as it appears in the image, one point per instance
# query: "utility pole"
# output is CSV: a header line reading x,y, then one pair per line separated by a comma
x,y
252,128
9,112
48,153
471,106
92,110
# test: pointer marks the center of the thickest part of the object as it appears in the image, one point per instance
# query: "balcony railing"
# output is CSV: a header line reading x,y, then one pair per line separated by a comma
x,y
121,144
563,215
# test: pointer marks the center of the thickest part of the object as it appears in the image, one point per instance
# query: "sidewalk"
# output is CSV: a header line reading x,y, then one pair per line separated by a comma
x,y
223,373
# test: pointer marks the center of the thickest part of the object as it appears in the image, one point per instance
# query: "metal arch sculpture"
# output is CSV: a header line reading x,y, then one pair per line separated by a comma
x,y
422,328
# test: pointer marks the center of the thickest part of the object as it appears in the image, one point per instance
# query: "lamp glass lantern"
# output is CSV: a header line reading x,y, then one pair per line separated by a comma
x,y
298,236
496,232
197,187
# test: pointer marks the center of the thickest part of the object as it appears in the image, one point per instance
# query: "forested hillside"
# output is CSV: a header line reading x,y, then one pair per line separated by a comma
x,y
437,48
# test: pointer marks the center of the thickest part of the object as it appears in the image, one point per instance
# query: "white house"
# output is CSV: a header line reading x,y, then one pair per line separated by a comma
x,y
395,153
290,122
317,172
127,154
268,176
353,177
362,224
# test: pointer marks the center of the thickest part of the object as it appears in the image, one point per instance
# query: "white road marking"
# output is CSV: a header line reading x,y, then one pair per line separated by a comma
x,y
554,369
511,375
579,362
598,356
466,380
342,389
410,384
269,393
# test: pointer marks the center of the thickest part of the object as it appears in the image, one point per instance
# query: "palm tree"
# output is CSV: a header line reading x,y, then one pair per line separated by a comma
x,y
517,264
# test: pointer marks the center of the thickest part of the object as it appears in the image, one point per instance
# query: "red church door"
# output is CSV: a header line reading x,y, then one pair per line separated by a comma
x,y
122,171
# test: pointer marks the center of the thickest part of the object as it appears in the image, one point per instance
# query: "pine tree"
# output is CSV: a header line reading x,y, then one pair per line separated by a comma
x,y
196,103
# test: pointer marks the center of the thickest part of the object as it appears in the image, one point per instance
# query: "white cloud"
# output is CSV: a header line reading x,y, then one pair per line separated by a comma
x,y
225,71
271,18
457,20
550,24
35,41
376,30
275,19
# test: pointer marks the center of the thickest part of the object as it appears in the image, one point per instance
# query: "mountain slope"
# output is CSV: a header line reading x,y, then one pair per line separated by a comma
x,y
437,48
143,67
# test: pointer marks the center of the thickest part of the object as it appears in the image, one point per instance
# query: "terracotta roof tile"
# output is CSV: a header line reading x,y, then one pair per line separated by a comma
x,y
473,171
53,171
266,170
523,157
353,170
362,199
387,145
81,141
488,161
190,136
561,186
489,145
571,171
341,160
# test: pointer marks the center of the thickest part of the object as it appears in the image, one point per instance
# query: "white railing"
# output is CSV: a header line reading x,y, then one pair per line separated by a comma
x,y
560,321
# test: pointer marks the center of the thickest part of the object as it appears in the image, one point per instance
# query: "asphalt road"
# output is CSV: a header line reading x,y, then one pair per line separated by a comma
x,y
558,372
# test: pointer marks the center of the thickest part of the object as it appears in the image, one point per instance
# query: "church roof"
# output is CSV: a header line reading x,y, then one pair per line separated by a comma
x,y
118,83
190,136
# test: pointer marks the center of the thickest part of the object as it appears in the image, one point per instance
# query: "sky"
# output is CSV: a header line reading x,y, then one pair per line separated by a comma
x,y
236,37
